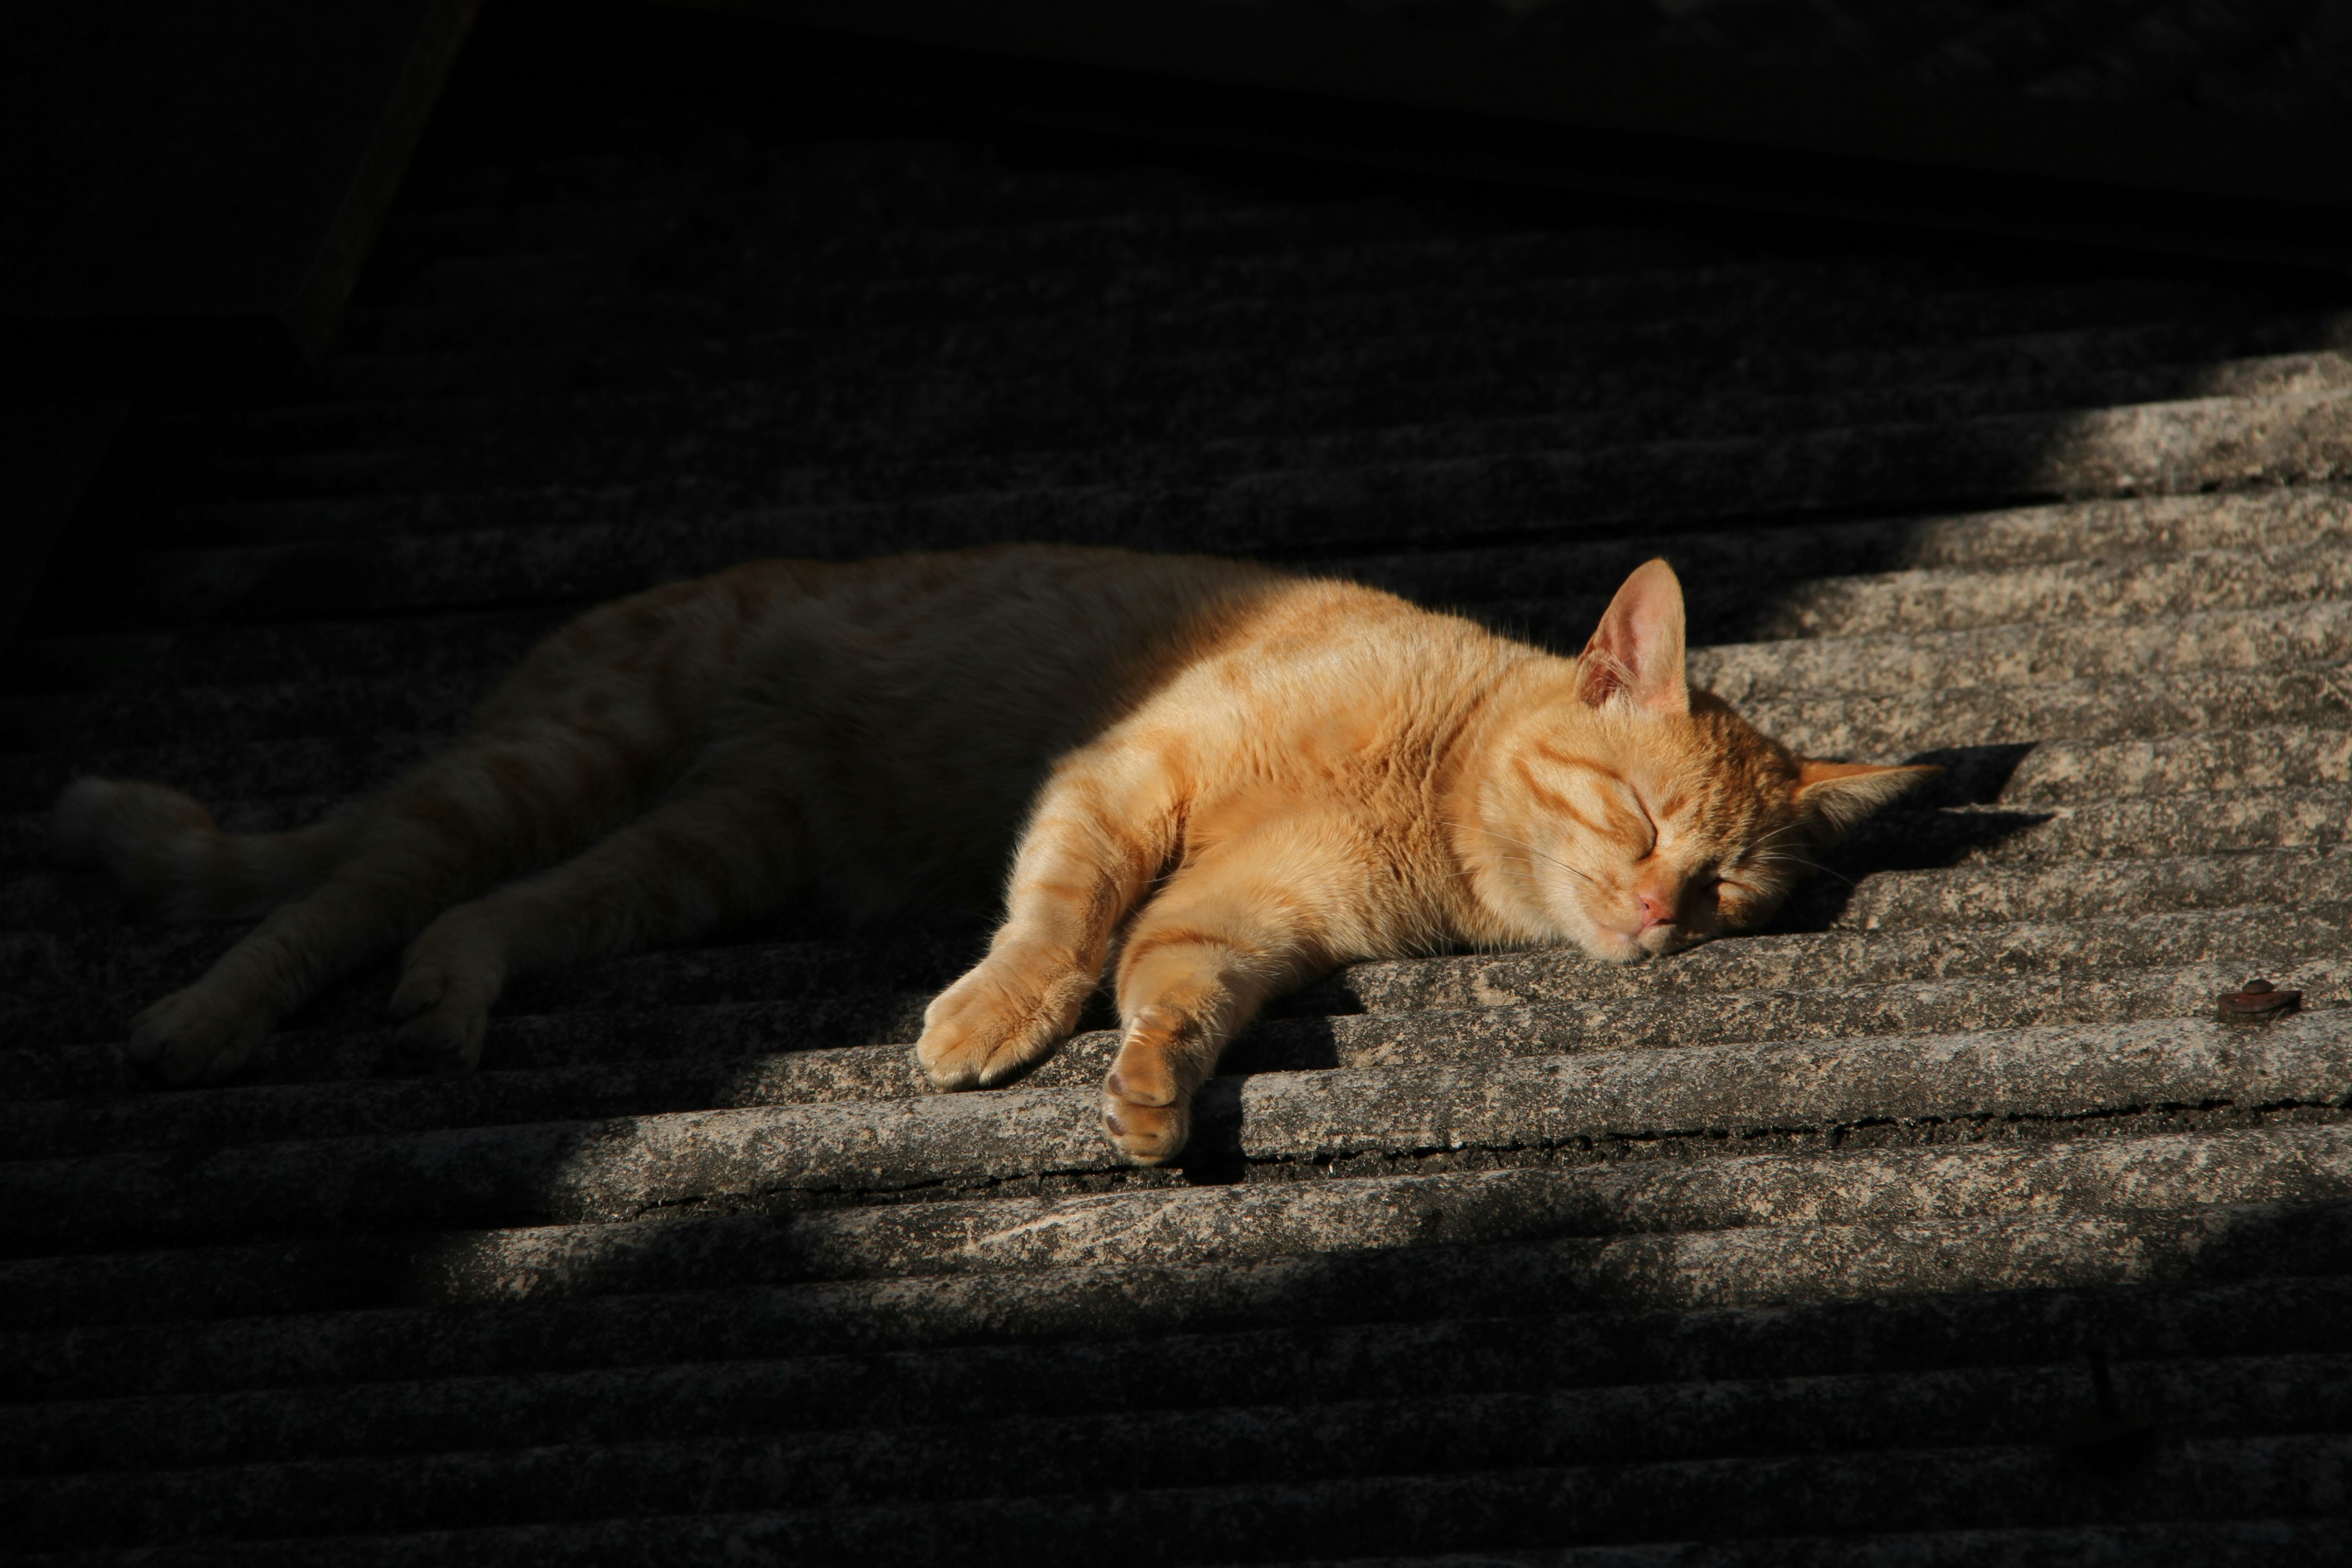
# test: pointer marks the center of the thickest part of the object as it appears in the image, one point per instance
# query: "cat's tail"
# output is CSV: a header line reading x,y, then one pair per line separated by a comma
x,y
169,853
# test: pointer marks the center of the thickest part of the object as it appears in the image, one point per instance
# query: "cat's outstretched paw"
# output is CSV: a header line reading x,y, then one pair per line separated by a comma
x,y
448,979
195,1035
1002,1017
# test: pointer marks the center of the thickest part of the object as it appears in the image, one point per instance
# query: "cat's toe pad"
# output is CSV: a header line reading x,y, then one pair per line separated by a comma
x,y
447,1017
451,974
1145,1083
445,1036
195,1033
1146,1134
1147,1105
421,985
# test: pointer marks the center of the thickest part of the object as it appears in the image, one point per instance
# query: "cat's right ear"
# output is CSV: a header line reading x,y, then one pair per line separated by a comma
x,y
1840,794
1637,653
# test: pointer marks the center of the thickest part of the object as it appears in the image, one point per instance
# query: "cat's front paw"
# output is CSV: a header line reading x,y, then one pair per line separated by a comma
x,y
196,1034
449,978
1002,1017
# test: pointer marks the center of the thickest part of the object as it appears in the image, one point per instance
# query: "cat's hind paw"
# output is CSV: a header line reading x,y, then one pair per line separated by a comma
x,y
999,1019
448,982
1146,1134
1147,1105
444,1038
196,1035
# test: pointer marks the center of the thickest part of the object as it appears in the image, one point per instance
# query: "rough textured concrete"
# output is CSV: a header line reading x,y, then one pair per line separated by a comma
x,y
1497,1097
2232,1544
582,1057
1196,1229
290,1487
1801,1248
2005,1484
1856,655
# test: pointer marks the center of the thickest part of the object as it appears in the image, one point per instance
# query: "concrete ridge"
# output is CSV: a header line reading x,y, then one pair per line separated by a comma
x,y
628,1166
2110,708
2142,526
38,909
591,1061
2123,706
1644,303
2023,634
94,1336
2157,324
1838,959
2225,1543
292,1488
1183,1228
1324,420
2199,443
1989,1486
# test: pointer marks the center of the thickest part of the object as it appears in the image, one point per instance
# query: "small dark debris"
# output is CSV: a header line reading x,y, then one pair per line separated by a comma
x,y
2260,999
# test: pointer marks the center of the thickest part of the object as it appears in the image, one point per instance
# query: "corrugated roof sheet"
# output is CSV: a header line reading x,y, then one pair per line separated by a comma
x,y
1945,1224
2275,58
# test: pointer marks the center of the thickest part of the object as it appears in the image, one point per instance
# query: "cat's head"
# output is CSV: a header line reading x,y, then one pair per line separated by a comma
x,y
1624,812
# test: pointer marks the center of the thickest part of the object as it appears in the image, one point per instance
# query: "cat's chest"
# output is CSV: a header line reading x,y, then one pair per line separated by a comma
x,y
1354,772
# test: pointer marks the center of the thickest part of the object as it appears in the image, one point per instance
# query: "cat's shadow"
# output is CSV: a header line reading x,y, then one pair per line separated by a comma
x,y
1935,828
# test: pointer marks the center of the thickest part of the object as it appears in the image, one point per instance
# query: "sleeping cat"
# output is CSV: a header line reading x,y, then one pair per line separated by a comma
x,y
1233,777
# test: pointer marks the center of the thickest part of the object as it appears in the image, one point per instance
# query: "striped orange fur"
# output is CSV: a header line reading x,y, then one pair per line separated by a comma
x,y
1230,777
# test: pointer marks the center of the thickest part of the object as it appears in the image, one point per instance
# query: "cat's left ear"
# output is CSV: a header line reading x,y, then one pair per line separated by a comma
x,y
1840,794
1637,653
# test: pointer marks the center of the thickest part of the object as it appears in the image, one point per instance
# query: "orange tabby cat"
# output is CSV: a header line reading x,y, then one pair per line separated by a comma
x,y
1237,777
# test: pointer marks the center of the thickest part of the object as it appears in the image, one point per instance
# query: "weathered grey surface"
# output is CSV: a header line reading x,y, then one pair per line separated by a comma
x,y
2226,1545
1804,1247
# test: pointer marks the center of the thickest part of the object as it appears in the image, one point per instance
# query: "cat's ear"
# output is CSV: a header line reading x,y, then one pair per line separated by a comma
x,y
1637,654
1840,794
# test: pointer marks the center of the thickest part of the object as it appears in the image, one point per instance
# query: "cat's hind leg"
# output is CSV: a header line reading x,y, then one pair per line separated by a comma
x,y
1244,921
494,804
591,726
717,850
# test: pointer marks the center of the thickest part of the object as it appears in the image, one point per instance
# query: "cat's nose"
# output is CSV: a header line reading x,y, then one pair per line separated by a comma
x,y
1657,907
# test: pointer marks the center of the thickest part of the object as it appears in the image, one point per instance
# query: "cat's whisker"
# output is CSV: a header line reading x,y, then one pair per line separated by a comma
x,y
1473,870
1777,834
1802,864
1554,860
